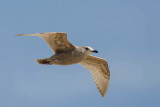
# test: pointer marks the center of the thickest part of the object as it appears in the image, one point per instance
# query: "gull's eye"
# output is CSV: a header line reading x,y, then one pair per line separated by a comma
x,y
87,49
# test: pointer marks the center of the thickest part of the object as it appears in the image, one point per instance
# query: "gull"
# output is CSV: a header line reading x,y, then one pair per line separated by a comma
x,y
67,54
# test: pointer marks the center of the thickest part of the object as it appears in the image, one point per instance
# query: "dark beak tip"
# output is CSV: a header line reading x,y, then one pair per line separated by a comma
x,y
95,51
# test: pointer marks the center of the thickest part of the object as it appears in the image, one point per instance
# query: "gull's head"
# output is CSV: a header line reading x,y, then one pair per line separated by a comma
x,y
88,50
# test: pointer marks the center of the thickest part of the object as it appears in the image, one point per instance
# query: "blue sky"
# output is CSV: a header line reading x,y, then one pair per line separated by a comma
x,y
125,32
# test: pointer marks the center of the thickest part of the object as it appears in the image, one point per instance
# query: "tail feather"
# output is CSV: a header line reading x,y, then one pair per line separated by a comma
x,y
43,61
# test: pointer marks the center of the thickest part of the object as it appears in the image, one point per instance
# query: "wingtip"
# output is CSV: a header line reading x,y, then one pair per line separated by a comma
x,y
104,90
18,34
15,34
102,96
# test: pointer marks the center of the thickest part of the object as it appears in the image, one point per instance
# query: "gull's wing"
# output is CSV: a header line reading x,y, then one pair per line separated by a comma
x,y
100,72
57,41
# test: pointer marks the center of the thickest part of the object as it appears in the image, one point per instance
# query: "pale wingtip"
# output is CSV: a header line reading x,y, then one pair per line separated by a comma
x,y
18,34
105,90
102,96
15,34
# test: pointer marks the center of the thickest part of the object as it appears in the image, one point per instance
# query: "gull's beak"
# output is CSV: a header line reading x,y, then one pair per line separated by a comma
x,y
95,51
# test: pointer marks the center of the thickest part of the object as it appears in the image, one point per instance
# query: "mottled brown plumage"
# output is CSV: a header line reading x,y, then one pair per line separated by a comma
x,y
66,54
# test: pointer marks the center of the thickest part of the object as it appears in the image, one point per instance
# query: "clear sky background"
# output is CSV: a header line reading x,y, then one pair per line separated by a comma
x,y
125,32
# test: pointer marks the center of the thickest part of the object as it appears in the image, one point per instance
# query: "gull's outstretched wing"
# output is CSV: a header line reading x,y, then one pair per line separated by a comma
x,y
57,41
100,72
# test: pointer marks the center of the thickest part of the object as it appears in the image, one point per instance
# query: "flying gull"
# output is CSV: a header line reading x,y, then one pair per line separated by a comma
x,y
67,54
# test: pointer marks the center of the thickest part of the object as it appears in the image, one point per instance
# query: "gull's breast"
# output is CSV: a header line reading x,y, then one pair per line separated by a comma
x,y
68,58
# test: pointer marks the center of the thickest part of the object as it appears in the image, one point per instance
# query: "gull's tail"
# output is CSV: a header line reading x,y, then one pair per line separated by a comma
x,y
44,61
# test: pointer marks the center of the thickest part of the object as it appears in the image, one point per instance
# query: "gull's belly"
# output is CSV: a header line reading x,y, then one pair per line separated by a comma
x,y
68,59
